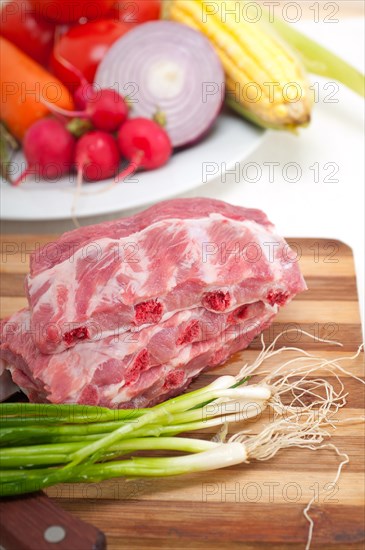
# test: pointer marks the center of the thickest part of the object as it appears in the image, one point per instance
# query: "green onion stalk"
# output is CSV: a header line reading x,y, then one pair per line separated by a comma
x,y
47,444
42,445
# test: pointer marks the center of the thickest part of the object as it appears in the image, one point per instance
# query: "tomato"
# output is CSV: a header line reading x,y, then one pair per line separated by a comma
x,y
137,11
21,26
70,11
83,47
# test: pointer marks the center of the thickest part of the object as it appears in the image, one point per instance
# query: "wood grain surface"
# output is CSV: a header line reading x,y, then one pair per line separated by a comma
x,y
243,507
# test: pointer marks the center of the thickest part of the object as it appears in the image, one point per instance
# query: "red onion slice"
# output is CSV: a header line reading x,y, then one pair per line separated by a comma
x,y
167,68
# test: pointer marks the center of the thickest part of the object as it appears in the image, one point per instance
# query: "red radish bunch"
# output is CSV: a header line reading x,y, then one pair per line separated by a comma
x,y
51,150
96,156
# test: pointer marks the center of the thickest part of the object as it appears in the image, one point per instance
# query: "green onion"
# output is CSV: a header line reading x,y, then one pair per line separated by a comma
x,y
33,412
48,444
59,453
88,444
227,454
163,413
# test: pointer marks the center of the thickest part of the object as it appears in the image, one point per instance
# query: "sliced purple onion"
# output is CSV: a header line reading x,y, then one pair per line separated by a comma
x,y
169,72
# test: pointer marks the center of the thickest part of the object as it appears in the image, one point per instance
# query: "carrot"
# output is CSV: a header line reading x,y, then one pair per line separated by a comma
x,y
24,85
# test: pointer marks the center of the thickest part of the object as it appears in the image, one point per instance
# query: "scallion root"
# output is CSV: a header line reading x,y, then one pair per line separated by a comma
x,y
311,409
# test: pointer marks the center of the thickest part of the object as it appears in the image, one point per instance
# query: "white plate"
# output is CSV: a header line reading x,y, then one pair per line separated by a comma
x,y
230,141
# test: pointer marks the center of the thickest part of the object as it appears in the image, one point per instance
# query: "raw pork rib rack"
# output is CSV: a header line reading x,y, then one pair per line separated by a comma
x,y
127,313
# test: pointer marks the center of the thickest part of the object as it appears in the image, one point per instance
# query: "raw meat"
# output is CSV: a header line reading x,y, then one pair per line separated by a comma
x,y
127,313
66,246
158,361
171,265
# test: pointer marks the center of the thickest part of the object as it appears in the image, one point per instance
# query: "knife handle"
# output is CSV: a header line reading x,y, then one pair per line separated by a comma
x,y
35,522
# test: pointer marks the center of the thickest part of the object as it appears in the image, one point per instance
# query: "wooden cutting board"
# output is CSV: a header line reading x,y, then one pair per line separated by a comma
x,y
245,507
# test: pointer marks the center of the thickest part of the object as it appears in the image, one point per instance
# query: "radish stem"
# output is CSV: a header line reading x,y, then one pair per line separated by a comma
x,y
77,195
133,167
74,70
64,112
22,176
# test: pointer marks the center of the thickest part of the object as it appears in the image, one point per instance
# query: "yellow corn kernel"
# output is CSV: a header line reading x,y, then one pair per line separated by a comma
x,y
263,77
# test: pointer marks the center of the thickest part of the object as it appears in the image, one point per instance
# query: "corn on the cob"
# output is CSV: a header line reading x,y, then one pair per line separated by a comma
x,y
265,82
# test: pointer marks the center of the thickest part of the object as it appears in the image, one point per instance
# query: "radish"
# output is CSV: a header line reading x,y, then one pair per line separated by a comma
x,y
97,156
49,149
144,143
106,109
83,94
